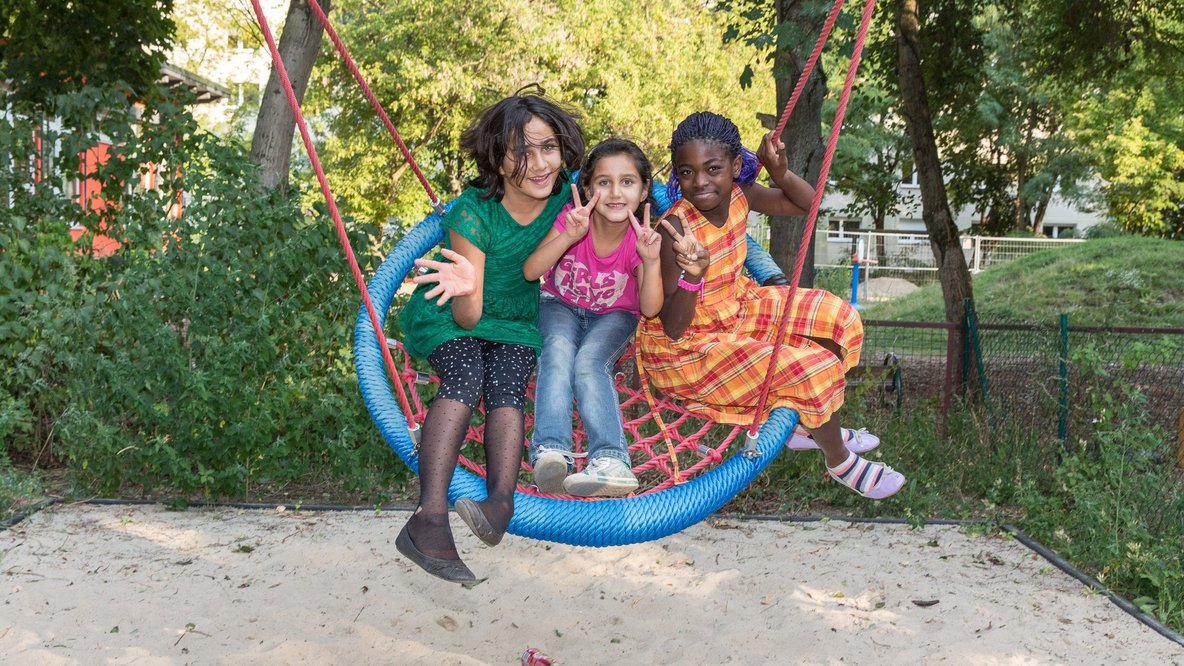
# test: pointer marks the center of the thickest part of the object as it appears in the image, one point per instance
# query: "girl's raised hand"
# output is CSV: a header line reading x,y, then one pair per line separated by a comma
x,y
649,243
772,155
689,253
454,278
575,225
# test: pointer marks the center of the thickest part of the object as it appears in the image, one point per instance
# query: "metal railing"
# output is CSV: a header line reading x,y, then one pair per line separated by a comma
x,y
909,256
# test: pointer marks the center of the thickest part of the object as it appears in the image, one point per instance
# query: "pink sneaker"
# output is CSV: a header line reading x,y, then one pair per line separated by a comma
x,y
873,480
857,441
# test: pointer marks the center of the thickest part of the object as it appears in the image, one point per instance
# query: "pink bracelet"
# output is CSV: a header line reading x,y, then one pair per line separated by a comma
x,y
692,286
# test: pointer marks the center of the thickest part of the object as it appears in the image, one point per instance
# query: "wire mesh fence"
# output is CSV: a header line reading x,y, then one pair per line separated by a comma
x,y
1049,378
906,256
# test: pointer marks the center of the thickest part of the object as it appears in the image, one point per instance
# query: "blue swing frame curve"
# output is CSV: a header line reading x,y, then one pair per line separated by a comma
x,y
607,522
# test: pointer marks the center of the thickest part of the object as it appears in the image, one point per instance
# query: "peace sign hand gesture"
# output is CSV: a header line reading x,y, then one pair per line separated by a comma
x,y
457,278
649,243
575,225
689,253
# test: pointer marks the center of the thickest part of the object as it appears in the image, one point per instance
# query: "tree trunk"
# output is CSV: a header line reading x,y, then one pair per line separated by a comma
x,y
802,136
275,126
1042,208
939,220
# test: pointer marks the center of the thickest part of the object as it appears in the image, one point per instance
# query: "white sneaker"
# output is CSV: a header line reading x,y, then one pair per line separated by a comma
x,y
603,477
550,468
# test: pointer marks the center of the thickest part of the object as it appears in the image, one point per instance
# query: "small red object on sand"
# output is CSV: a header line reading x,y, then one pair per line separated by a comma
x,y
532,657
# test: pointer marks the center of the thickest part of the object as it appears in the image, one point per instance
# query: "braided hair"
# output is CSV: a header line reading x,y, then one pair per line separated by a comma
x,y
711,127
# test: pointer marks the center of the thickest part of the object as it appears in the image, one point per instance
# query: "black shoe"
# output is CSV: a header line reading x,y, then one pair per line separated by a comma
x,y
453,571
775,280
470,512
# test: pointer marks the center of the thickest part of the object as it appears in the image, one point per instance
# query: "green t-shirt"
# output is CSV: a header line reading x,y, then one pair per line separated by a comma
x,y
510,306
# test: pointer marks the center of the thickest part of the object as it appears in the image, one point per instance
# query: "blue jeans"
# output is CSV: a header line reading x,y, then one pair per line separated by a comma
x,y
580,348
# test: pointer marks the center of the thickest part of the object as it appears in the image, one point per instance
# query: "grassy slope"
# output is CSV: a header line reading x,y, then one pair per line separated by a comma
x,y
1124,281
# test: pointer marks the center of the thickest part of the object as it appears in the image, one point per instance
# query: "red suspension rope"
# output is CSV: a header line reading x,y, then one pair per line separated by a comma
x,y
832,142
306,136
808,70
386,121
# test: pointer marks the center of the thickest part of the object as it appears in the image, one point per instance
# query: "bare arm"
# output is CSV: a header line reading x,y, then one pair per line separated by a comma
x,y
466,309
649,274
681,255
556,243
545,255
791,196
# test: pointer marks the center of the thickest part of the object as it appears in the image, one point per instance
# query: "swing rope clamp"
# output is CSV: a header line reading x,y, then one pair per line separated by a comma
x,y
750,439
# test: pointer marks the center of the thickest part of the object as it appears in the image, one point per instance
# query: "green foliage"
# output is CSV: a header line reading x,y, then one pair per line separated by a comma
x,y
435,66
50,47
18,492
1122,281
210,355
1104,230
1113,506
1136,137
873,155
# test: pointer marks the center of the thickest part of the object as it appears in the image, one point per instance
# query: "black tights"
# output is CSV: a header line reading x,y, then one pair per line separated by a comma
x,y
461,363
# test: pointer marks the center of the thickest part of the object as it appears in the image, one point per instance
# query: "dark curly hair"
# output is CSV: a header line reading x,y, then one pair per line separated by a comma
x,y
712,127
616,146
499,131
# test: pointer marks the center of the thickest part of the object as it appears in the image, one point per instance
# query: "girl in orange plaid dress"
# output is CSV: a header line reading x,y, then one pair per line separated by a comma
x,y
711,344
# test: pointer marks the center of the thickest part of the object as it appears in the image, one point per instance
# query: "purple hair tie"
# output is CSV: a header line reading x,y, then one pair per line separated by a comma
x,y
673,191
750,166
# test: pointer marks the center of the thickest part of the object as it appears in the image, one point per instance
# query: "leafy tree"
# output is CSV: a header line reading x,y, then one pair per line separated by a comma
x,y
435,66
1122,62
1136,137
872,154
271,144
49,47
783,33
953,272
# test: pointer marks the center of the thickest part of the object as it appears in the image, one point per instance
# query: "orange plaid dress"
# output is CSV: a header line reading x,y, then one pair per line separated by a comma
x,y
718,366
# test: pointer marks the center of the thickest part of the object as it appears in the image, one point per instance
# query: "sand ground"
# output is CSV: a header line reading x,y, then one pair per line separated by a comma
x,y
87,584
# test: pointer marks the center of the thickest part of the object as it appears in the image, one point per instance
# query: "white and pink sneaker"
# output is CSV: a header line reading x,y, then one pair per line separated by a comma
x,y
857,441
873,480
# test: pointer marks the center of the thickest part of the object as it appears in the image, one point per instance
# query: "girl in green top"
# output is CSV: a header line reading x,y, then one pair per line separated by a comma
x,y
476,318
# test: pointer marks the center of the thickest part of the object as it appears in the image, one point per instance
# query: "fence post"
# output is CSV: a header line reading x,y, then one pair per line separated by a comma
x,y
980,366
855,281
1062,424
1180,442
1063,420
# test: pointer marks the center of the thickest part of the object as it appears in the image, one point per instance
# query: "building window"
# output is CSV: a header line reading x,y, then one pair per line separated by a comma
x,y
912,232
839,229
1059,230
908,175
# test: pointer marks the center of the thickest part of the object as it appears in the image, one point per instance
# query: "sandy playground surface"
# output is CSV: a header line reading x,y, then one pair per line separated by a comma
x,y
142,585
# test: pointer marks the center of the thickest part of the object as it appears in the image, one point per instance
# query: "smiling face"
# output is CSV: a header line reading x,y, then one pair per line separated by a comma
x,y
621,187
531,177
705,173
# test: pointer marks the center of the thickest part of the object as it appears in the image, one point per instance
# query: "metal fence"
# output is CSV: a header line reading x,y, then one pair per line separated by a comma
x,y
908,256
1048,377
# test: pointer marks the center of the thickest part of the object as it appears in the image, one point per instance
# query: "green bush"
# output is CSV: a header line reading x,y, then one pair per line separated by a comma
x,y
1104,230
210,355
1114,505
